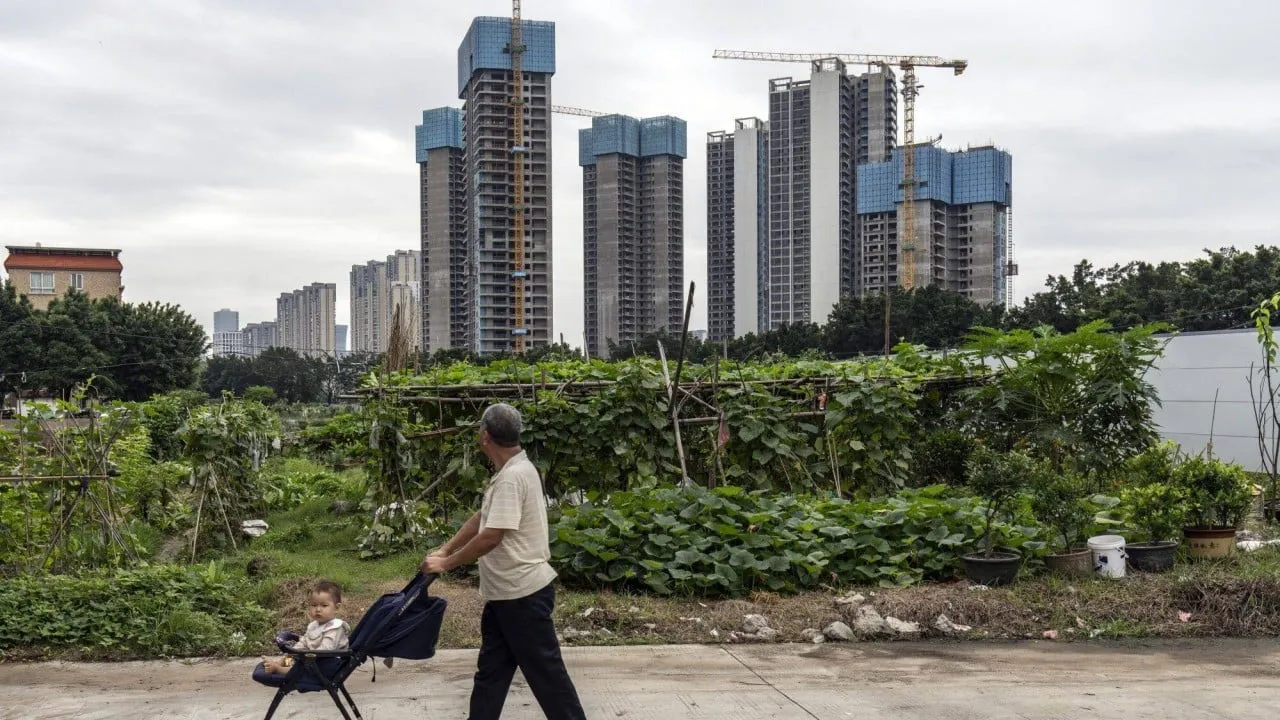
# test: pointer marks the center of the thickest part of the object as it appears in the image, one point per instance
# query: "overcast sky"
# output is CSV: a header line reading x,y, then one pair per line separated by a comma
x,y
235,149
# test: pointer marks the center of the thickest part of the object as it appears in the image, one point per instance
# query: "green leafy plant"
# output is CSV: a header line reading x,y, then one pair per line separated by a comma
x,y
164,415
997,478
148,612
1218,493
942,457
1154,465
1157,510
1061,501
1264,392
340,441
871,425
261,394
1082,396
728,541
226,445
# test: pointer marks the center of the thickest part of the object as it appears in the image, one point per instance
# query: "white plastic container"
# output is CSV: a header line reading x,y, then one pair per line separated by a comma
x,y
1109,557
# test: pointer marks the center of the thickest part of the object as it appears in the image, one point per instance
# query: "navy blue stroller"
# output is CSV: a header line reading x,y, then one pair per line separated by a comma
x,y
399,625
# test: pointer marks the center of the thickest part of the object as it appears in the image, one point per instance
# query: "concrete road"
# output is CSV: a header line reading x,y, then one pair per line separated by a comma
x,y
1164,680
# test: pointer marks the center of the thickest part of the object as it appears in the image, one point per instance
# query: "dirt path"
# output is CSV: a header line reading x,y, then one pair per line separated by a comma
x,y
1175,679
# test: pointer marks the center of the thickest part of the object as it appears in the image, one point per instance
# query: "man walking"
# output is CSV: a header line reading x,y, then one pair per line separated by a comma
x,y
509,539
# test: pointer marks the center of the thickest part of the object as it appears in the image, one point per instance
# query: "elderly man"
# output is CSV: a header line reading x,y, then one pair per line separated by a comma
x,y
509,539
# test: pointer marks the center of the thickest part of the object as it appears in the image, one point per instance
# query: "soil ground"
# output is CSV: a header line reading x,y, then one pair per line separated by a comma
x,y
1195,679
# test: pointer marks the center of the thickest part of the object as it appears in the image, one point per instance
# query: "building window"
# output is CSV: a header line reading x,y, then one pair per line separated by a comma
x,y
77,281
41,283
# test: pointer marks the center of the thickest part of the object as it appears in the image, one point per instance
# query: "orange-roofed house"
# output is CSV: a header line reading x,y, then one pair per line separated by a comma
x,y
44,273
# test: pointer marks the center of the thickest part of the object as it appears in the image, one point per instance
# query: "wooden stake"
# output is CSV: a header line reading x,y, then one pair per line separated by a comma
x,y
675,420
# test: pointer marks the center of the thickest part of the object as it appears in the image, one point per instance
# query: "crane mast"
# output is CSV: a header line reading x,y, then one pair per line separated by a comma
x,y
908,244
518,148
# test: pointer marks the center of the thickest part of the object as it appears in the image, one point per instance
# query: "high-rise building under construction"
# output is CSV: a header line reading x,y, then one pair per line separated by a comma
x,y
632,227
447,305
963,202
737,229
467,189
792,190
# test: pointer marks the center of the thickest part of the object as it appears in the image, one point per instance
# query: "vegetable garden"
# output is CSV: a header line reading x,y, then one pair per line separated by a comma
x,y
668,479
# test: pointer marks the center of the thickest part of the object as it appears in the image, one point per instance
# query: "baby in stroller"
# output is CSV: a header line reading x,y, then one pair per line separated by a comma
x,y
404,625
325,632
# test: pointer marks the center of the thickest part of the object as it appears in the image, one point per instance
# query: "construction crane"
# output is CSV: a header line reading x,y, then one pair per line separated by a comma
x,y
567,110
910,90
518,149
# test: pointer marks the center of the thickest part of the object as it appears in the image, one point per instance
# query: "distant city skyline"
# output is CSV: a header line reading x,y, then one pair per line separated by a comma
x,y
1122,147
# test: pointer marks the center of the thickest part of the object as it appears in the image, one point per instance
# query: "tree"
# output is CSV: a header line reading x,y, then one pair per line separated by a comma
x,y
295,379
229,373
18,338
133,351
793,340
153,347
1213,292
292,377
344,377
928,316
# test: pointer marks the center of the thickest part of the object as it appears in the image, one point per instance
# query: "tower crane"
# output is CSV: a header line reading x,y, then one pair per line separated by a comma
x,y
910,89
580,112
518,147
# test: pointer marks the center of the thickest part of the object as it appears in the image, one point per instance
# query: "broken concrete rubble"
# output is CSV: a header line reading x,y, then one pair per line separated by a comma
x,y
839,631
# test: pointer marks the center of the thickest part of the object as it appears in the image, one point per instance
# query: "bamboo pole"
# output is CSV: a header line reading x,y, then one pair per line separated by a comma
x,y
715,418
675,420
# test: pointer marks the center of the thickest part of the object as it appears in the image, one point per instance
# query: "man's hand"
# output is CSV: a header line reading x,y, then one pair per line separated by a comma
x,y
437,563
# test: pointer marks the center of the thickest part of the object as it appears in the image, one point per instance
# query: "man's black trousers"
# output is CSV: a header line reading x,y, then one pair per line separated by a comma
x,y
520,633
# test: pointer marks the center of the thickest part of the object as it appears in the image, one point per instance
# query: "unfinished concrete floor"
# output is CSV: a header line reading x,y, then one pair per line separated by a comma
x,y
1184,679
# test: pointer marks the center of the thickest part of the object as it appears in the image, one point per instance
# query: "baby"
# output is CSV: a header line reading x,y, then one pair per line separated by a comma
x,y
325,632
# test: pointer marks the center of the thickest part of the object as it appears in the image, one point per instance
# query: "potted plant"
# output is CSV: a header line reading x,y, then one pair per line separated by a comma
x,y
1059,501
1218,497
996,478
1157,511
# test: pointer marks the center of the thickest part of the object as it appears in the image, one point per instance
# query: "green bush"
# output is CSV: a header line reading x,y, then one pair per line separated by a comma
x,y
1218,493
1153,465
1061,501
260,393
152,611
998,478
942,457
163,415
341,441
729,541
1157,510
286,483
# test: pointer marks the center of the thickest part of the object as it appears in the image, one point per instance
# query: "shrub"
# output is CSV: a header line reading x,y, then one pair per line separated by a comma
x,y
286,483
1218,493
1061,501
163,416
1156,510
1153,465
942,457
152,611
260,393
997,478
343,440
729,541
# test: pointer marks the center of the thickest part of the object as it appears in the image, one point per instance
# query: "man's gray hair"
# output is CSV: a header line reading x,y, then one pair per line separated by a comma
x,y
503,424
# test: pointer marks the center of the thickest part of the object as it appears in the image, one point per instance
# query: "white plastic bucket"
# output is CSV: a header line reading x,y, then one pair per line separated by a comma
x,y
1108,555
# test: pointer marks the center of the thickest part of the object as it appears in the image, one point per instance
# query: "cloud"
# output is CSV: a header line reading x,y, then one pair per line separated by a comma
x,y
239,149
